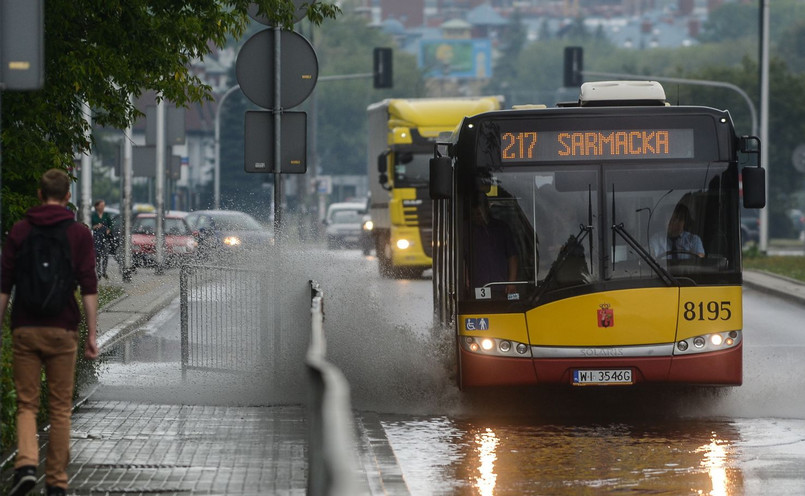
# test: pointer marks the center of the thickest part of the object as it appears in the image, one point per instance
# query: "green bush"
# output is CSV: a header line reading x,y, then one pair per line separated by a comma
x,y
86,373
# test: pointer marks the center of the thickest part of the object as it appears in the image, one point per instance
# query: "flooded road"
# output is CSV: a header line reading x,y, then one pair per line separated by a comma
x,y
668,440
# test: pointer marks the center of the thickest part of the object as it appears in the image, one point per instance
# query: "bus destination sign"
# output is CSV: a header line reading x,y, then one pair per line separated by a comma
x,y
583,145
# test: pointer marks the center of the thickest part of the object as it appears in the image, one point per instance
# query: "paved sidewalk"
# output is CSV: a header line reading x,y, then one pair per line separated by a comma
x,y
145,295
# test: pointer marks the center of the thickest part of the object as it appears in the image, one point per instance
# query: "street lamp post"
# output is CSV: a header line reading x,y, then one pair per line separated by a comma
x,y
217,172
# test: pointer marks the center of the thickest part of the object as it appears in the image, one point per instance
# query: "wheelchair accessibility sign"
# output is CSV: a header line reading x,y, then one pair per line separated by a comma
x,y
480,324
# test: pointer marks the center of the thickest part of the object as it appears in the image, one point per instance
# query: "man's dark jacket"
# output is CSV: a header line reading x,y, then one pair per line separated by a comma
x,y
82,254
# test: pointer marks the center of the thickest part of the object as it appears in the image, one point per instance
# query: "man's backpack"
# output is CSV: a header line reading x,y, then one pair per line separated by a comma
x,y
44,271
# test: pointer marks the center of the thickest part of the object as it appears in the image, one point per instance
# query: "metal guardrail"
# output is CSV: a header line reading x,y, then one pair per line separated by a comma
x,y
331,446
224,317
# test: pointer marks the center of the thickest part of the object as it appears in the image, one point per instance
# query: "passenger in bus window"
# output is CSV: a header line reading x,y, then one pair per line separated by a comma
x,y
494,252
678,243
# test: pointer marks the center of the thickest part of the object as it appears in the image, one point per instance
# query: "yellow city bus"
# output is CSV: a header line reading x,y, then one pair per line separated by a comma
x,y
594,244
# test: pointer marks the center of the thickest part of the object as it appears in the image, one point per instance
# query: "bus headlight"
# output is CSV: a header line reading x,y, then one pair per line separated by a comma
x,y
708,342
494,346
403,244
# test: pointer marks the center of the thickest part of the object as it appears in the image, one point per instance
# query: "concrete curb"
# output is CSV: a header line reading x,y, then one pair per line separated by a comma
x,y
776,285
130,325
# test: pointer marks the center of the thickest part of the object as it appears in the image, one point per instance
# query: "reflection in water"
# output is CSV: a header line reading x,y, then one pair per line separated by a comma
x,y
715,462
487,443
515,455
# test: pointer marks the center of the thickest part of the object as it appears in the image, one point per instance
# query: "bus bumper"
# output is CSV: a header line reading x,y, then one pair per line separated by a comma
x,y
479,370
721,368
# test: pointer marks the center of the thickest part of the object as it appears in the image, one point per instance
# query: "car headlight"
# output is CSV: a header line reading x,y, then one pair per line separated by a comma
x,y
232,241
403,244
368,225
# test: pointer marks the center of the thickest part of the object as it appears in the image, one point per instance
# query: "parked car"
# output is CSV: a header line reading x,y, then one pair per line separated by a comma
x,y
345,226
180,244
224,232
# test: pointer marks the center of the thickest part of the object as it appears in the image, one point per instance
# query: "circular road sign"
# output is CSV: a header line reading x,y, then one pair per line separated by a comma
x,y
299,13
255,69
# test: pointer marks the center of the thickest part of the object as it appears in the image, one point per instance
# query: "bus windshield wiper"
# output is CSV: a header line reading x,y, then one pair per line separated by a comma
x,y
666,277
584,231
564,255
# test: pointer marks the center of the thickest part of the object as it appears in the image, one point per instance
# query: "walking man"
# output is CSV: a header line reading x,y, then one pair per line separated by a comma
x,y
44,334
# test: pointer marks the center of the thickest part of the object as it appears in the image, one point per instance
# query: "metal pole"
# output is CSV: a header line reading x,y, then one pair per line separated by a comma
x,y
277,135
159,185
127,179
764,120
86,170
217,173
278,234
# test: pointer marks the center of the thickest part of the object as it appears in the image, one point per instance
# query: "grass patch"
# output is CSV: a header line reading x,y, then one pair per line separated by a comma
x,y
788,266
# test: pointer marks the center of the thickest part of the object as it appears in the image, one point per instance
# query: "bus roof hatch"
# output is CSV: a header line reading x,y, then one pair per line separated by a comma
x,y
617,93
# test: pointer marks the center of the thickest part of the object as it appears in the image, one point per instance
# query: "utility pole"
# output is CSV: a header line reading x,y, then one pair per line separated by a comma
x,y
159,186
764,120
86,170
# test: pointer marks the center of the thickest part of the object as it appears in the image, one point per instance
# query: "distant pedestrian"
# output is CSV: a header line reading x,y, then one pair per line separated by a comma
x,y
101,223
44,333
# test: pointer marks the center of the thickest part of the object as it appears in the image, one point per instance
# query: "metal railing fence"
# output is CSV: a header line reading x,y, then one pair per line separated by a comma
x,y
225,317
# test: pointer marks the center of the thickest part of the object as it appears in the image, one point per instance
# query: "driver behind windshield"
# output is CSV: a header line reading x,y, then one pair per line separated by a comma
x,y
678,243
494,252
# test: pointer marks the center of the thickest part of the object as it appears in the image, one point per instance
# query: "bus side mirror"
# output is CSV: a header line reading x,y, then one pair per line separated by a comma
x,y
753,180
441,178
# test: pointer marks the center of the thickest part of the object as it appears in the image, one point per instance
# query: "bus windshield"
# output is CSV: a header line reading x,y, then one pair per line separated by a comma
x,y
576,226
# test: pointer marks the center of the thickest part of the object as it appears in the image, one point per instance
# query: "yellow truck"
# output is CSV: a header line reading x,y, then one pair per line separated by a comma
x,y
402,134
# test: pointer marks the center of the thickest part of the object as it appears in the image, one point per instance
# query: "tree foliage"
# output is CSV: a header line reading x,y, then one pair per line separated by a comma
x,y
101,52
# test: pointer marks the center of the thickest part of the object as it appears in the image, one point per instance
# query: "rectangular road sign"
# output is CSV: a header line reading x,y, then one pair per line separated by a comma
x,y
259,142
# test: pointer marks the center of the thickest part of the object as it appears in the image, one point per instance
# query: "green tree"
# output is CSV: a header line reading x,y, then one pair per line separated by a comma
x,y
792,47
102,51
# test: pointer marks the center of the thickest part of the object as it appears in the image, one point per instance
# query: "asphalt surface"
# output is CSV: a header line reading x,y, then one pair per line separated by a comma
x,y
136,447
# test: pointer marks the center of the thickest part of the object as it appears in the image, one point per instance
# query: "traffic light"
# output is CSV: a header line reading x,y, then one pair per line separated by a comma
x,y
574,62
382,68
